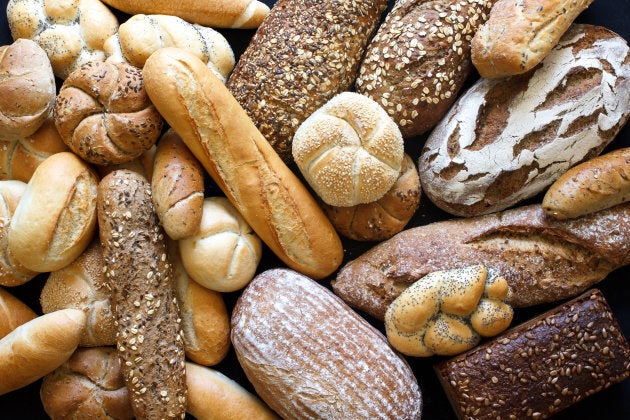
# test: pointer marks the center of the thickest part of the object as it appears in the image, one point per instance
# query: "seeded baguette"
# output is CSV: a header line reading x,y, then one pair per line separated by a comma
x,y
149,336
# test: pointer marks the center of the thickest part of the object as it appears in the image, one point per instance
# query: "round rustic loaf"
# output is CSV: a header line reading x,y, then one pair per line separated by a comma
x,y
384,217
55,220
104,114
349,150
224,253
27,89
70,32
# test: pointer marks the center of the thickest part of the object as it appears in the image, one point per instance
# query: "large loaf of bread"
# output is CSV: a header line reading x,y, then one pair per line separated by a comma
x,y
507,139
542,259
310,356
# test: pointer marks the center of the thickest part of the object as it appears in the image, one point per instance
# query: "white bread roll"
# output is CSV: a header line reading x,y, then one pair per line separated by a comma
x,y
349,150
224,253
141,35
13,313
56,218
38,347
27,89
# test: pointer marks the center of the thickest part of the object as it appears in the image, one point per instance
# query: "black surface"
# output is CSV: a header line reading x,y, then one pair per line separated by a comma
x,y
613,403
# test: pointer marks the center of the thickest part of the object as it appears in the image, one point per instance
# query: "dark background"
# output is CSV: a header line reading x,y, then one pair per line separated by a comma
x,y
613,403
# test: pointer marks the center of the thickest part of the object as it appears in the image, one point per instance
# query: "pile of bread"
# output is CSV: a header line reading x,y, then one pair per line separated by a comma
x,y
110,131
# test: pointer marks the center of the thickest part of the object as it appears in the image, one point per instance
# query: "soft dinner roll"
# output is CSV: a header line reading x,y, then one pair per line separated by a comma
x,y
141,35
71,32
104,114
13,313
447,312
27,89
224,254
81,285
56,218
349,150
12,272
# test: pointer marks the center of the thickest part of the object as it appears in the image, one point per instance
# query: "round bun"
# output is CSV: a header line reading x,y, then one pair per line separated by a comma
x,y
81,285
224,254
89,385
71,33
13,313
27,89
104,114
385,217
55,220
349,150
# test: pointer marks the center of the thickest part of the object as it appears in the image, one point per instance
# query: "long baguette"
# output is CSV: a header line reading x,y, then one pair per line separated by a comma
x,y
251,174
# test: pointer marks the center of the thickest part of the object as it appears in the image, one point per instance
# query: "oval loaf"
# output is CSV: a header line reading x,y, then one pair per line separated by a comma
x,y
304,351
507,139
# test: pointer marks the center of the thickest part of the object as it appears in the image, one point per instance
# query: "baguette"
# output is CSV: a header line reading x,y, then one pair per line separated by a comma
x,y
594,185
216,129
149,337
245,14
542,259
13,313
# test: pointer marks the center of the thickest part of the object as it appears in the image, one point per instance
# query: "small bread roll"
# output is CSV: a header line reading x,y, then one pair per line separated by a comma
x,y
385,217
13,313
81,285
104,114
38,347
141,35
27,89
224,254
70,32
349,150
55,220
89,385
177,187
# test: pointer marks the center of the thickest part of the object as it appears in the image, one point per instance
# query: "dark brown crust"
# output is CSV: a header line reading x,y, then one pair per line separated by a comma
x,y
543,260
542,366
149,340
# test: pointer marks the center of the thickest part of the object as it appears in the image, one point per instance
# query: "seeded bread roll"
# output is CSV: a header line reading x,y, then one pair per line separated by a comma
x,y
71,33
304,53
542,366
104,114
420,58
149,337
519,35
27,89
349,150
13,313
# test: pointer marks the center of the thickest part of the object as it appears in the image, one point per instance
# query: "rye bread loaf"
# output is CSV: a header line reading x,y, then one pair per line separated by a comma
x,y
306,353
420,58
542,259
303,53
507,139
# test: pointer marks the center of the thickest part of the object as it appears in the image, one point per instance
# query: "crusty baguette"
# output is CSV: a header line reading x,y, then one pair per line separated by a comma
x,y
149,337
542,259
245,14
38,347
594,185
263,189
13,312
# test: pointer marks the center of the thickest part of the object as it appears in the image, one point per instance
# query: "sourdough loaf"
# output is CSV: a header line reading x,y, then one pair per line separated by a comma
x,y
303,53
304,351
507,139
542,259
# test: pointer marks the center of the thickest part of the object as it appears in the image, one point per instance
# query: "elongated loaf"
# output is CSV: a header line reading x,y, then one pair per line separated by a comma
x,y
596,184
149,337
244,14
13,313
304,351
542,259
302,55
216,129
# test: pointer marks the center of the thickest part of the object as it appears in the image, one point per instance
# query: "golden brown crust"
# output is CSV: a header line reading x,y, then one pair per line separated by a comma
x,y
13,313
149,338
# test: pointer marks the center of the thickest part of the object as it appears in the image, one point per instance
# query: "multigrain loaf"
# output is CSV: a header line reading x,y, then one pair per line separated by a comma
x,y
304,351
507,139
420,58
542,259
304,53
